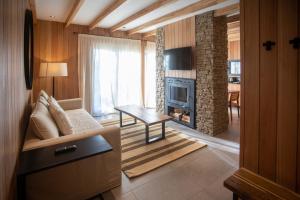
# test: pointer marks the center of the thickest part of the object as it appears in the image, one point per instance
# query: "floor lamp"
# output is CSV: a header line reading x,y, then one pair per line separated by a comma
x,y
53,70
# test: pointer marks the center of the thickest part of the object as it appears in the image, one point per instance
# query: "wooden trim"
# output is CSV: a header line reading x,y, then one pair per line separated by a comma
x,y
248,185
251,84
242,51
298,128
106,12
141,13
77,5
184,11
234,8
149,34
33,9
233,18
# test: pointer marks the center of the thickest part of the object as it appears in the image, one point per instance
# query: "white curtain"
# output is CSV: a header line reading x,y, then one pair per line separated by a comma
x,y
150,75
109,73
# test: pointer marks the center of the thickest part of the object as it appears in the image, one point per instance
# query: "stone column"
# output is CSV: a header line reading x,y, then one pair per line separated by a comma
x,y
160,72
211,67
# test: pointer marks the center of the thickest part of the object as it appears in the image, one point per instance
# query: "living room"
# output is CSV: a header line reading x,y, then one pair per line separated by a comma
x,y
154,99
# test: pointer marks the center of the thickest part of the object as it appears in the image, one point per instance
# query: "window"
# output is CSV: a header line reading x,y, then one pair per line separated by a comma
x,y
110,73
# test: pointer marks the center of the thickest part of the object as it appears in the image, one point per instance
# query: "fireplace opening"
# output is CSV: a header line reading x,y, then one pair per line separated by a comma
x,y
180,114
180,100
178,94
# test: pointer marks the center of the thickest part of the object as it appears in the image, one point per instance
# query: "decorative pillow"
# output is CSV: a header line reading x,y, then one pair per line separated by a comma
x,y
42,100
44,94
61,118
42,123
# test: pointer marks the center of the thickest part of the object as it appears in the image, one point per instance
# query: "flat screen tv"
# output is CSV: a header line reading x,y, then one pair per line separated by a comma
x,y
178,59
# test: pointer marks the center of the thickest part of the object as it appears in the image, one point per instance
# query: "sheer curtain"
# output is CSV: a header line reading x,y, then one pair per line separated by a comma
x,y
150,75
109,73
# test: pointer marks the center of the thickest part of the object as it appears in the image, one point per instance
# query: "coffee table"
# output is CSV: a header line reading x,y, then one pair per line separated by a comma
x,y
146,116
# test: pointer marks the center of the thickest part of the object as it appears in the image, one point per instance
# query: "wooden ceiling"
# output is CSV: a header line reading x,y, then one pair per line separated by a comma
x,y
132,16
233,31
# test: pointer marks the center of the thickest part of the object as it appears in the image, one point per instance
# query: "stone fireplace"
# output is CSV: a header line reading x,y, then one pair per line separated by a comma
x,y
210,52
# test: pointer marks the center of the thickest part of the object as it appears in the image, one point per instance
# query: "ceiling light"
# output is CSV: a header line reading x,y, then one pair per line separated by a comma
x,y
52,16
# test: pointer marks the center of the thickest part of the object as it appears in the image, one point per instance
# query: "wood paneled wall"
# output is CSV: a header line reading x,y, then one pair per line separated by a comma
x,y
180,34
14,97
234,50
233,32
55,43
270,85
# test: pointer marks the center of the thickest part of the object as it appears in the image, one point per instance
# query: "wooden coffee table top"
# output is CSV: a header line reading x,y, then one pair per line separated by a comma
x,y
147,116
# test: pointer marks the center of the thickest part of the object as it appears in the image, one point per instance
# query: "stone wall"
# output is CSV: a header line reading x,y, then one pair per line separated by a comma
x,y
211,67
160,72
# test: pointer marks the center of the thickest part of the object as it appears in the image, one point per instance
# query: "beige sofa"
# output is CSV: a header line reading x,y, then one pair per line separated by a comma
x,y
81,179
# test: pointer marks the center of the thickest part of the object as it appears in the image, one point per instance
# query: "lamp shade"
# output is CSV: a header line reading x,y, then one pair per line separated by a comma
x,y
53,69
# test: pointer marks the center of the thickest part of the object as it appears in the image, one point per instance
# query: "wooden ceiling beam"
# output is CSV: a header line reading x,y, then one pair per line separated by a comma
x,y
77,5
141,13
149,34
181,12
234,8
33,9
233,18
106,12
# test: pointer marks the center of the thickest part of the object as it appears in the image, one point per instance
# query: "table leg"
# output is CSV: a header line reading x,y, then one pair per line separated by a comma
x,y
163,130
147,133
155,139
121,119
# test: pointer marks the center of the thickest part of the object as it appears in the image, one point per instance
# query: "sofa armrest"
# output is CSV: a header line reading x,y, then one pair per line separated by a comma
x,y
70,104
107,133
113,137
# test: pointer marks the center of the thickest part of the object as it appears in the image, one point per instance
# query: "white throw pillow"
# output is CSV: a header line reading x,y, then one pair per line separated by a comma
x,y
61,118
44,94
42,100
42,123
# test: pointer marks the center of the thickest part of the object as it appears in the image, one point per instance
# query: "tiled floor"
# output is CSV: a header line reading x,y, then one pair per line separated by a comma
x,y
197,176
233,132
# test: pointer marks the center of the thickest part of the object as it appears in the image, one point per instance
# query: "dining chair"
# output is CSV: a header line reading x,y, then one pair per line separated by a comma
x,y
234,102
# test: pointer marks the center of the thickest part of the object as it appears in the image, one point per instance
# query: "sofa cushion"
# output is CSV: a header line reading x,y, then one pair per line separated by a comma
x,y
61,118
82,121
41,122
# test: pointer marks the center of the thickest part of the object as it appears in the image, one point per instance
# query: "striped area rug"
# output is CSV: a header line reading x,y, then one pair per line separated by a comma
x,y
139,158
